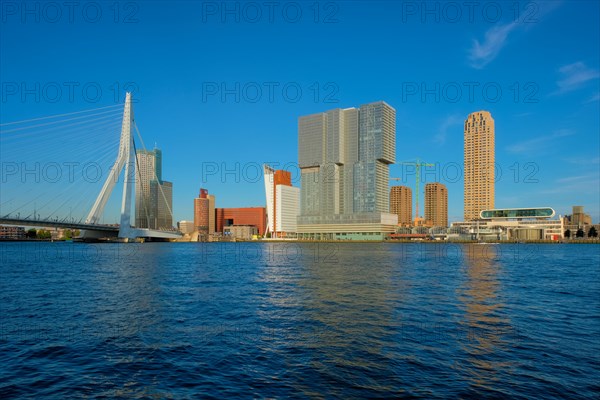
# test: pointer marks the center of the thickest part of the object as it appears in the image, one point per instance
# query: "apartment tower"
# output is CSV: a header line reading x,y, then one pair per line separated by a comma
x,y
478,164
401,204
436,204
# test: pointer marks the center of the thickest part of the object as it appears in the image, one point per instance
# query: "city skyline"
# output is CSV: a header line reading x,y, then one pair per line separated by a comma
x,y
299,199
548,107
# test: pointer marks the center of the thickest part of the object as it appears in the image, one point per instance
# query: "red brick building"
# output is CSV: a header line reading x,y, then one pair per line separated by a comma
x,y
256,216
201,212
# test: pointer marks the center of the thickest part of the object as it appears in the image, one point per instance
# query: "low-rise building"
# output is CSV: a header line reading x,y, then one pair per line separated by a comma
x,y
255,216
240,232
512,224
12,232
186,227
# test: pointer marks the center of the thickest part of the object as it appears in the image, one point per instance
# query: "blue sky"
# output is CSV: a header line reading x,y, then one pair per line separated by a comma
x,y
534,65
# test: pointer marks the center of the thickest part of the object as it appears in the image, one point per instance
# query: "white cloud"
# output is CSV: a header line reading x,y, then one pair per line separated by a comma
x,y
575,76
495,38
536,143
583,160
593,99
481,54
440,137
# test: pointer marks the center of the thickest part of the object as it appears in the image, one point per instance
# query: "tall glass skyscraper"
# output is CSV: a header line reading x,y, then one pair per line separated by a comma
x,y
344,157
153,196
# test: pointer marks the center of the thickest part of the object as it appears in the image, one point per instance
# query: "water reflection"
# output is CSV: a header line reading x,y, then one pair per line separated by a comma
x,y
338,315
485,325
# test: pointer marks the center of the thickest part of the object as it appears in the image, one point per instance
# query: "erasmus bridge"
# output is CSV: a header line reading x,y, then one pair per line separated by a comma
x,y
36,189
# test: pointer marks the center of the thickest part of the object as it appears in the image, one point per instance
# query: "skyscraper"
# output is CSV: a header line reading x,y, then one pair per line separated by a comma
x,y
436,204
161,202
344,157
401,204
153,196
479,157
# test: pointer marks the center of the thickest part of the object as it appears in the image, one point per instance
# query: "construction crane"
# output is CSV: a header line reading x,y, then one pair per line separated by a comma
x,y
418,164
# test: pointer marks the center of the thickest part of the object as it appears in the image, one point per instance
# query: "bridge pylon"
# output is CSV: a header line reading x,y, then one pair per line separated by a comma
x,y
125,160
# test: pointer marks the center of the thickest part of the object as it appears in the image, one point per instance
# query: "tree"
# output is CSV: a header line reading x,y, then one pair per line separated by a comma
x,y
568,233
43,234
593,232
579,233
31,233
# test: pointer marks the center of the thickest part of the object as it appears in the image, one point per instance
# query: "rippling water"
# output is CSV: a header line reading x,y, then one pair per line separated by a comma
x,y
171,320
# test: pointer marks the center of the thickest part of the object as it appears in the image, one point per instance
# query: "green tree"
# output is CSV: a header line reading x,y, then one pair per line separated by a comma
x,y
43,234
568,233
68,234
31,233
579,233
593,232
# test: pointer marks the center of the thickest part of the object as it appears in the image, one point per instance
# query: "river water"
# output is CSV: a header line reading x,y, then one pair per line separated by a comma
x,y
222,320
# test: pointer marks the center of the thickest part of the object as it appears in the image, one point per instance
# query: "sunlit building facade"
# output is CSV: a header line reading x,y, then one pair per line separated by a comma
x,y
436,204
153,196
204,215
401,204
252,216
479,158
283,203
344,157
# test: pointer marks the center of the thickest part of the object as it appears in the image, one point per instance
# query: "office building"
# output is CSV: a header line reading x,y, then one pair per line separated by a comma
x,y
204,215
436,204
153,196
401,204
252,216
186,227
579,218
344,157
511,224
161,202
12,232
283,203
240,232
479,158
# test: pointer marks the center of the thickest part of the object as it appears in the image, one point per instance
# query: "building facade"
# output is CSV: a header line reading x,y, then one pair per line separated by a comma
x,y
283,203
204,215
401,204
240,232
153,196
12,232
186,227
161,204
579,217
436,204
513,224
253,216
479,159
344,157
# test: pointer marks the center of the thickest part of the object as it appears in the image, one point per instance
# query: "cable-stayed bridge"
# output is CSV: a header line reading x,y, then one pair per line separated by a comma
x,y
60,171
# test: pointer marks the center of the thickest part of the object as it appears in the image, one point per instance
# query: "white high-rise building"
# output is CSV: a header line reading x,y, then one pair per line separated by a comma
x,y
283,203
